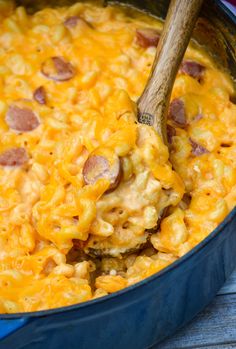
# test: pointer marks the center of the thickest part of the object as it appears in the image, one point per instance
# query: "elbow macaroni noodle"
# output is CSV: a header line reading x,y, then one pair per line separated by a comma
x,y
63,241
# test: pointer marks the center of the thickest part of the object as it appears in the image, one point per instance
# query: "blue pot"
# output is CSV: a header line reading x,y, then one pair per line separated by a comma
x,y
146,313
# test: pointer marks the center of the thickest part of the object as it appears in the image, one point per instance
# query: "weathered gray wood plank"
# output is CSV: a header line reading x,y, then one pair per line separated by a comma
x,y
214,328
217,346
220,346
230,285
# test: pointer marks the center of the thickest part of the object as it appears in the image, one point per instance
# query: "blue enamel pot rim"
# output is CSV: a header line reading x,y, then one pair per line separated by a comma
x,y
151,278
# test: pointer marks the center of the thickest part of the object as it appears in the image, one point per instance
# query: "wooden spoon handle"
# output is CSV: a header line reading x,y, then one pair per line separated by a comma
x,y
179,24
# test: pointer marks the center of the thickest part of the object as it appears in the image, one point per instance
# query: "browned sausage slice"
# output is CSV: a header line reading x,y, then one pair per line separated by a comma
x,y
171,132
14,157
197,149
147,37
73,21
97,166
21,119
193,69
40,95
177,112
58,69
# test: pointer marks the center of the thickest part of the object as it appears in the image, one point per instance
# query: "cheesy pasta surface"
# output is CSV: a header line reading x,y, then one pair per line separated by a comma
x,y
83,185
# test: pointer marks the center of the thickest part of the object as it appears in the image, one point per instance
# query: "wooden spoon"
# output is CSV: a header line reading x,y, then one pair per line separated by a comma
x,y
154,102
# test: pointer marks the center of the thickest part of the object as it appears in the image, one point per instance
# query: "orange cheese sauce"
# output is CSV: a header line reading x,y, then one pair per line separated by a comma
x,y
62,240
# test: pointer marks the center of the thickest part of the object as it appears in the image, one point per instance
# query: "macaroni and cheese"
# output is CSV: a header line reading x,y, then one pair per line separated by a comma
x,y
83,185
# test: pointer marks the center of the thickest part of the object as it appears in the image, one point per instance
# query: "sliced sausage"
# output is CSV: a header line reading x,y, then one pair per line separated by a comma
x,y
147,37
97,166
40,95
58,69
193,69
171,132
14,157
21,119
197,149
177,112
73,21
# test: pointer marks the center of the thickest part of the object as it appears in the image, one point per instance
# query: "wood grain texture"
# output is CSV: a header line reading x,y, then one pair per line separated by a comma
x,y
214,328
178,27
230,286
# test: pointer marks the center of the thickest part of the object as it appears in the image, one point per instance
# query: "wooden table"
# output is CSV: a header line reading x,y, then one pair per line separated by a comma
x,y
214,328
